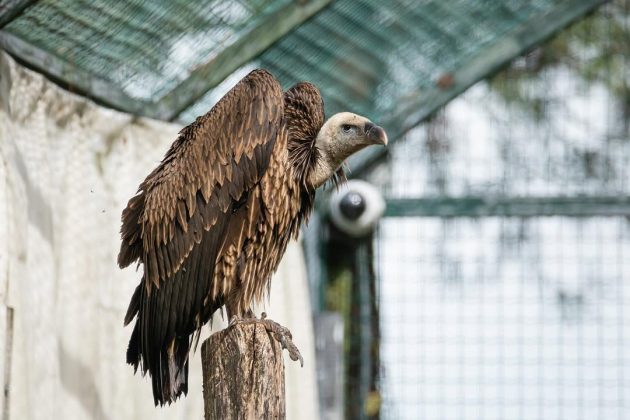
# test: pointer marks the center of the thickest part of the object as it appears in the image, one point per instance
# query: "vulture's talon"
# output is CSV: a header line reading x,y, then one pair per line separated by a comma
x,y
283,336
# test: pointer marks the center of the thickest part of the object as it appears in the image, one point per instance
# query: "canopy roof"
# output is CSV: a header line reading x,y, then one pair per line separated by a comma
x,y
395,62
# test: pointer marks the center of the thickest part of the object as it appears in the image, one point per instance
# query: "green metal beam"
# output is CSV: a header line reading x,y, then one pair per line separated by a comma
x,y
508,207
205,77
10,9
246,48
523,38
68,75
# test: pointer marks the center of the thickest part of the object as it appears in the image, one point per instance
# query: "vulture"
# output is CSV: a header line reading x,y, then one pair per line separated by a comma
x,y
211,222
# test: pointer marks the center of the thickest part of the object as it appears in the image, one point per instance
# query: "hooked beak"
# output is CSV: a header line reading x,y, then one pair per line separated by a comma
x,y
376,134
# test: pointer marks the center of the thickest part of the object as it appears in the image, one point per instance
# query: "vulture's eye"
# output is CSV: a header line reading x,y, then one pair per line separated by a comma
x,y
347,128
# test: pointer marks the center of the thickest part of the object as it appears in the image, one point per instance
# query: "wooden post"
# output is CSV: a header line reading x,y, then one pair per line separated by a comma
x,y
243,374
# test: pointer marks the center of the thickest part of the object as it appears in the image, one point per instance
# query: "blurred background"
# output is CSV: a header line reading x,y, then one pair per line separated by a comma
x,y
473,270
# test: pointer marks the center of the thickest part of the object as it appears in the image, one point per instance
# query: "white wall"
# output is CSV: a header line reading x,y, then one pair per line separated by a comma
x,y
67,169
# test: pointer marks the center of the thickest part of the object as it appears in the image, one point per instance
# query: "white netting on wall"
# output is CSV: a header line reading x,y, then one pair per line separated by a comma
x,y
67,169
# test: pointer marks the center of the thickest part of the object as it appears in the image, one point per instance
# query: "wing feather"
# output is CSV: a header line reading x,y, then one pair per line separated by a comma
x,y
176,225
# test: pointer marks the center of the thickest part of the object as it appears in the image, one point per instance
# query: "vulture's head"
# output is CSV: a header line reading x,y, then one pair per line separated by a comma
x,y
342,135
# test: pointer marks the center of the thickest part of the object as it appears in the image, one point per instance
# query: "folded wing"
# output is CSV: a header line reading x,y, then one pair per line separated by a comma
x,y
178,222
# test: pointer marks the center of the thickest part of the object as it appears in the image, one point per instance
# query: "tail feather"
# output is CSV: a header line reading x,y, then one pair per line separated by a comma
x,y
133,349
134,305
164,359
178,367
169,377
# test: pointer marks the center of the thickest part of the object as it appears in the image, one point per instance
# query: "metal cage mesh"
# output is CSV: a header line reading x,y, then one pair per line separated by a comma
x,y
497,316
146,48
368,54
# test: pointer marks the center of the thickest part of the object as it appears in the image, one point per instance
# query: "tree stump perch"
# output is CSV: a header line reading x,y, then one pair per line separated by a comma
x,y
243,374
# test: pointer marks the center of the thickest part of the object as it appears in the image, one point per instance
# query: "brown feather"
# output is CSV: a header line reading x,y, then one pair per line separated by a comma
x,y
176,225
210,224
304,110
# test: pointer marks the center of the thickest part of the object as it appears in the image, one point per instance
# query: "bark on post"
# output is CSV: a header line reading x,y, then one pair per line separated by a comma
x,y
243,374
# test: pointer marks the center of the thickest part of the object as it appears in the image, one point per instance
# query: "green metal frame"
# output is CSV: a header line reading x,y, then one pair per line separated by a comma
x,y
531,33
245,49
201,80
10,9
266,33
64,72
508,206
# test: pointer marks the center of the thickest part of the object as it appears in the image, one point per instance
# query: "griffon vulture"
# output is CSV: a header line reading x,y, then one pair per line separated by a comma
x,y
210,224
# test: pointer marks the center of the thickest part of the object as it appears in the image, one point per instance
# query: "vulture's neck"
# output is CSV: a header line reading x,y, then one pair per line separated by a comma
x,y
330,157
323,170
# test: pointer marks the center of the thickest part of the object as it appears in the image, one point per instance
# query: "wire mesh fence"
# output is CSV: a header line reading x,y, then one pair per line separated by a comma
x,y
504,294
499,318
